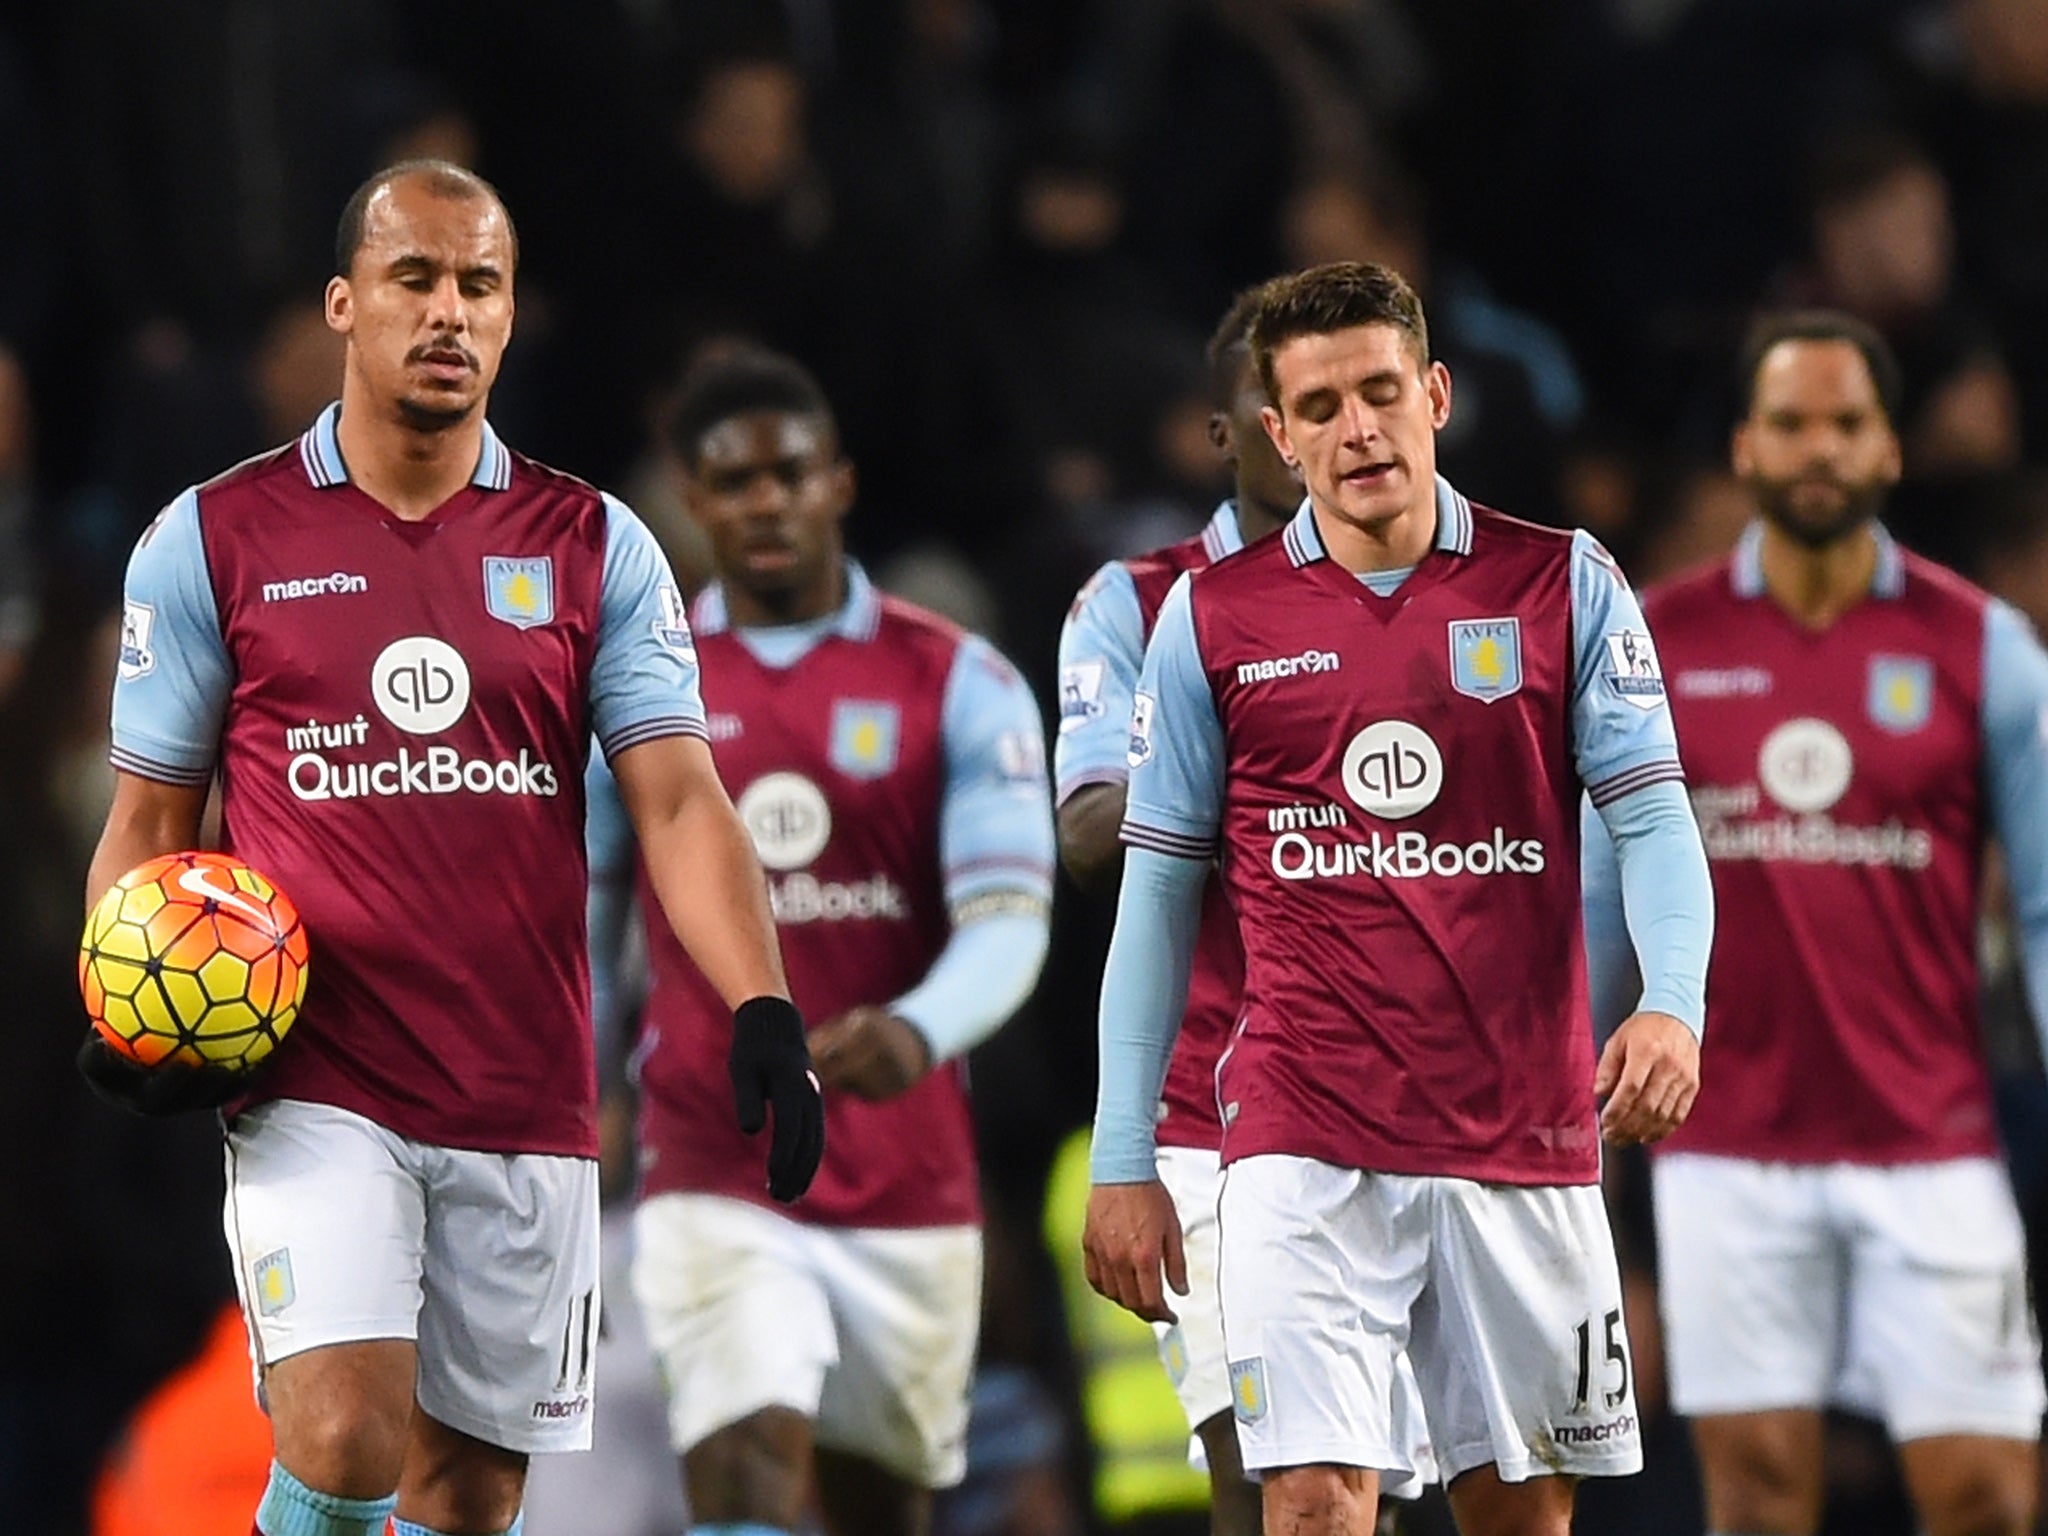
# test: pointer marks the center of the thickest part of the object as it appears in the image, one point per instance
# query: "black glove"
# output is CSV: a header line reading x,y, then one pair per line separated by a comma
x,y
169,1088
771,1067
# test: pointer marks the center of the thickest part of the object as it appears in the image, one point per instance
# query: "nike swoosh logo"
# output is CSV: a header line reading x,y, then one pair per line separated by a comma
x,y
198,880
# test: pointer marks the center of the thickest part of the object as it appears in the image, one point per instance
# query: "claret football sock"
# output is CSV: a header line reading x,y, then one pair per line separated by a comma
x,y
290,1508
407,1528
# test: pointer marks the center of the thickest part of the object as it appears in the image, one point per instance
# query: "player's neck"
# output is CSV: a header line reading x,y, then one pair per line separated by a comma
x,y
406,471
796,605
1255,519
1817,585
1397,543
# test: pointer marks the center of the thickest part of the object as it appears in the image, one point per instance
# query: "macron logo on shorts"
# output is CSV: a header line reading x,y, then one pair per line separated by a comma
x,y
551,1409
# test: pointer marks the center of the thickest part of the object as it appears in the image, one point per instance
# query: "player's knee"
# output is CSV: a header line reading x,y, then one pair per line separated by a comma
x,y
343,1448
756,1468
1320,1498
1984,1502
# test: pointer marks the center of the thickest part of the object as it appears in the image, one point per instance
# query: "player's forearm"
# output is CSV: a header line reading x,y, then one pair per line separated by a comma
x,y
980,979
1667,893
1089,820
146,819
704,872
1144,993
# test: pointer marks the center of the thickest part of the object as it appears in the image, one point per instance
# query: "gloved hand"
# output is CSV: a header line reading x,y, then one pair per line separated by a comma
x,y
165,1089
771,1068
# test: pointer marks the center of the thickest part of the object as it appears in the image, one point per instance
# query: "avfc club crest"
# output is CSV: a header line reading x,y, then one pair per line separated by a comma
x,y
520,592
1901,692
1486,658
1248,1389
864,737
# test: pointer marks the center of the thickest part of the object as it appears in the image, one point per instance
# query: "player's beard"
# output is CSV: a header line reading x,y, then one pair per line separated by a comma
x,y
1778,500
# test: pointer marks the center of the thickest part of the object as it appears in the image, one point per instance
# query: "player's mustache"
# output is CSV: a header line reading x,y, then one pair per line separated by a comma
x,y
440,349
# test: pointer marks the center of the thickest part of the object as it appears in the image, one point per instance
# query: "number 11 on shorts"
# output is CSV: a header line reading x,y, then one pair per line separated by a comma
x,y
1616,1351
577,1345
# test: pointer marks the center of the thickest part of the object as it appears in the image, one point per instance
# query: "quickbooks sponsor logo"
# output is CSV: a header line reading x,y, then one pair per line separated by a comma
x,y
314,586
1404,856
437,771
1288,666
804,898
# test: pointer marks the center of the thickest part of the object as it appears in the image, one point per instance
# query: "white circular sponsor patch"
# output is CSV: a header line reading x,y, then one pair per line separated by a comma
x,y
421,684
788,819
1805,765
1393,769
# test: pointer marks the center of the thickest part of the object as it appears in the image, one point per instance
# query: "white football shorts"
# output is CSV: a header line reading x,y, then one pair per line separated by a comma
x,y
1192,1349
343,1231
1899,1291
868,1332
1507,1299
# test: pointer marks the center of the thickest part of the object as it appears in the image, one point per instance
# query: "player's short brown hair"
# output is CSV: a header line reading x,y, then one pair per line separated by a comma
x,y
1330,298
1772,331
443,178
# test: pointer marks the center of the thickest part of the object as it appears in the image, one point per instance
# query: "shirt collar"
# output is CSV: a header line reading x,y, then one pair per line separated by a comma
x,y
1220,535
1747,567
1304,540
857,619
320,453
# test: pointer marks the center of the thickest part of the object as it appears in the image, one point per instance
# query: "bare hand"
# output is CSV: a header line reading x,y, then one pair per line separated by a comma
x,y
869,1052
1651,1067
1132,1233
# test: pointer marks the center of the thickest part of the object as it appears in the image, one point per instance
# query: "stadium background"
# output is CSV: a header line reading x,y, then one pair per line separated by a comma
x,y
999,230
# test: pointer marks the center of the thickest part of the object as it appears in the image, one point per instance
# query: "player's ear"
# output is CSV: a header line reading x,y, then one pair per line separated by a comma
x,y
1436,383
1740,457
1219,433
1276,429
340,306
845,485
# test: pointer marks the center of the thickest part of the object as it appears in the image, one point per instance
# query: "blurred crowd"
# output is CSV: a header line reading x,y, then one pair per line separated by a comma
x,y
999,231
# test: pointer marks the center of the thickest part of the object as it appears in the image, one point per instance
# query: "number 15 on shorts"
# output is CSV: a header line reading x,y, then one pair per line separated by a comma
x,y
1611,1364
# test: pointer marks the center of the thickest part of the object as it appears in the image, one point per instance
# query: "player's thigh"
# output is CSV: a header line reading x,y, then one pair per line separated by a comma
x,y
1941,1323
1752,1279
1319,1268
508,1322
326,1221
908,1308
1519,1343
1191,1349
736,1315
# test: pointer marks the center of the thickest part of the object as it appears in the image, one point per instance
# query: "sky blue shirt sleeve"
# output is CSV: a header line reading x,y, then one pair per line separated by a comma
x,y
2015,731
1102,648
1622,736
995,825
1175,800
1144,993
643,680
172,682
1648,895
615,982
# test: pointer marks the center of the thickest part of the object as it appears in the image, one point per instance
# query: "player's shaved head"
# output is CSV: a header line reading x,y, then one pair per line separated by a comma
x,y
1336,297
438,178
1230,345
744,382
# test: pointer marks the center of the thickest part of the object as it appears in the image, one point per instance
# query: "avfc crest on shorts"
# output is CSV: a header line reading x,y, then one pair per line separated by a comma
x,y
274,1288
1248,1389
1486,658
1901,692
864,737
520,592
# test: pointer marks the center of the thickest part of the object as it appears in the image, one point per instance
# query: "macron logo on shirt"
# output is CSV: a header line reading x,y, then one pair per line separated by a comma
x,y
314,586
1308,662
